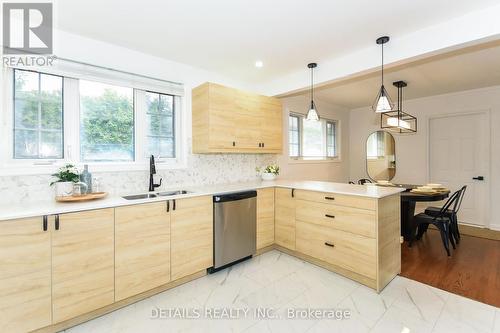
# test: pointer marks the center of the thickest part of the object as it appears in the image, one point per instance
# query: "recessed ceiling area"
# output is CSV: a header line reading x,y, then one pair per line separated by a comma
x,y
228,37
476,68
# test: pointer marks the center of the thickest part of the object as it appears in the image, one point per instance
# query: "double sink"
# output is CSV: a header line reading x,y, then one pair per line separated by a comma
x,y
155,195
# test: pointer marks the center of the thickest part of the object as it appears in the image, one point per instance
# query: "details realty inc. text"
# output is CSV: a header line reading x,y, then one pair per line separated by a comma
x,y
224,313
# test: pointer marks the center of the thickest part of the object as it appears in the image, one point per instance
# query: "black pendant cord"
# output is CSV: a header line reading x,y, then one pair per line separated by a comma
x,y
401,102
312,86
400,96
382,65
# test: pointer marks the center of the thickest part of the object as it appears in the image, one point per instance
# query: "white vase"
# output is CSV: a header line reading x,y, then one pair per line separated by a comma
x,y
268,176
64,189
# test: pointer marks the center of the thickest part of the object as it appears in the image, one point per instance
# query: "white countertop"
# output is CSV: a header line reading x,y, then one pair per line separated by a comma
x,y
30,209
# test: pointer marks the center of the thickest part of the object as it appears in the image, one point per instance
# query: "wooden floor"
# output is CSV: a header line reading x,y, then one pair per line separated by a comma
x,y
473,270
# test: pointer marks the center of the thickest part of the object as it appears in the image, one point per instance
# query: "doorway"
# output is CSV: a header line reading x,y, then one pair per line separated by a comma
x,y
459,154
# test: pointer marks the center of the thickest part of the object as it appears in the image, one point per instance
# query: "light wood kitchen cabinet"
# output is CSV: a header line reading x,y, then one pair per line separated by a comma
x,y
354,235
265,217
228,120
25,286
271,124
142,248
284,218
82,262
191,235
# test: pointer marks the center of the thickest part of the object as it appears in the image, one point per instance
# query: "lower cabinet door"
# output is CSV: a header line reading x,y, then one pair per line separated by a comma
x,y
142,248
82,263
265,217
284,218
25,298
349,251
192,236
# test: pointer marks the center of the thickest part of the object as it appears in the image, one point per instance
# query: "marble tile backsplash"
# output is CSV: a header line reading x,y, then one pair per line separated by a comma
x,y
201,170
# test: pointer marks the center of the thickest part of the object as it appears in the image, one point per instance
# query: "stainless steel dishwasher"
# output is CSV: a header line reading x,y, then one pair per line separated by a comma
x,y
235,228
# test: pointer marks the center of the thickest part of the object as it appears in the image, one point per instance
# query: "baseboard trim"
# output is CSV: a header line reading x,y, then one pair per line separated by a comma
x,y
477,231
119,304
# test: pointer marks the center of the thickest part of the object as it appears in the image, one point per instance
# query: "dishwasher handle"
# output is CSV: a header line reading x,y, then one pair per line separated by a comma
x,y
234,196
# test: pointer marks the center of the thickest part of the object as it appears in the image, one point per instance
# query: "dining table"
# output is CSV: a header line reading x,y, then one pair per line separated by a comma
x,y
408,202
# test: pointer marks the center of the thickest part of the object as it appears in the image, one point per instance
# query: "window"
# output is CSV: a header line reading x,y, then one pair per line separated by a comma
x,y
160,119
106,122
331,145
38,116
113,121
294,135
312,140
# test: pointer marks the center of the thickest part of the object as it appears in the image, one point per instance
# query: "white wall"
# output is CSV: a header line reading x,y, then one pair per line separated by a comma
x,y
412,149
336,171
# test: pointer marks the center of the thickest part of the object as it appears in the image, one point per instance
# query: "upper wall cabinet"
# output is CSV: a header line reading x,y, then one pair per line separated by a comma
x,y
227,120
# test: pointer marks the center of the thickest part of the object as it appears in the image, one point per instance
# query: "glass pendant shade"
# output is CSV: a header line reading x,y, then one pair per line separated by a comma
x,y
397,122
383,102
312,114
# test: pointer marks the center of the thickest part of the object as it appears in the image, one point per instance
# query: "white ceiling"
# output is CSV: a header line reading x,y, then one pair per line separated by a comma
x,y
463,70
228,36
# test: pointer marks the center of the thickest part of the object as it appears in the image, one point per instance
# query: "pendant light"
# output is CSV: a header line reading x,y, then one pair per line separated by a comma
x,y
312,114
398,120
383,102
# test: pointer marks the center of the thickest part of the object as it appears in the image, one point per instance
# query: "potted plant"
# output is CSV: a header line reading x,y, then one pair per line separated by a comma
x,y
66,176
269,172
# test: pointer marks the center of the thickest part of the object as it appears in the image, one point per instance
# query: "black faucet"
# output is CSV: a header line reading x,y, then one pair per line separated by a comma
x,y
152,171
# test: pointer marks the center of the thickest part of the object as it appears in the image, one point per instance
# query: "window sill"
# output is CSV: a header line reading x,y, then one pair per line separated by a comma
x,y
33,170
313,161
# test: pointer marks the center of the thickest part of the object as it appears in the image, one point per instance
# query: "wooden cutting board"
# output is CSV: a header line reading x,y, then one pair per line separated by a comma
x,y
85,197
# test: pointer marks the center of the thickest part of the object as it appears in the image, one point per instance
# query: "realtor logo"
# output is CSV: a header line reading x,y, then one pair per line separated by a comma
x,y
27,28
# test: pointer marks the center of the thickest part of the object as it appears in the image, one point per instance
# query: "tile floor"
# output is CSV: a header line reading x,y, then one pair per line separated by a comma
x,y
278,282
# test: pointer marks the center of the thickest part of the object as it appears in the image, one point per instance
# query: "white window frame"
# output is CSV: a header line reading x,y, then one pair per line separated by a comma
x,y
312,159
71,116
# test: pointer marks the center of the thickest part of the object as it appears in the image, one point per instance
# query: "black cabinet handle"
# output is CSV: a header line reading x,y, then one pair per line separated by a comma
x,y
293,192
173,205
330,216
329,244
262,144
168,206
478,178
329,198
234,143
45,222
57,222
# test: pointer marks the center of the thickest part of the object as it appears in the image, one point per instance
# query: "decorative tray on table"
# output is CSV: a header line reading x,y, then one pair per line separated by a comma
x,y
430,189
84,197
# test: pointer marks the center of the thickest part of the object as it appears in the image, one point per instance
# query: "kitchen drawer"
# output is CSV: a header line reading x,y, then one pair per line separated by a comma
x,y
337,199
349,251
357,221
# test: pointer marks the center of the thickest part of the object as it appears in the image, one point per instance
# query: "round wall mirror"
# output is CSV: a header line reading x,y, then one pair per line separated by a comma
x,y
381,156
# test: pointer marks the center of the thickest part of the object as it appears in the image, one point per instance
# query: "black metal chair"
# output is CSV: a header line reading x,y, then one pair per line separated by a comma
x,y
452,215
440,221
363,181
